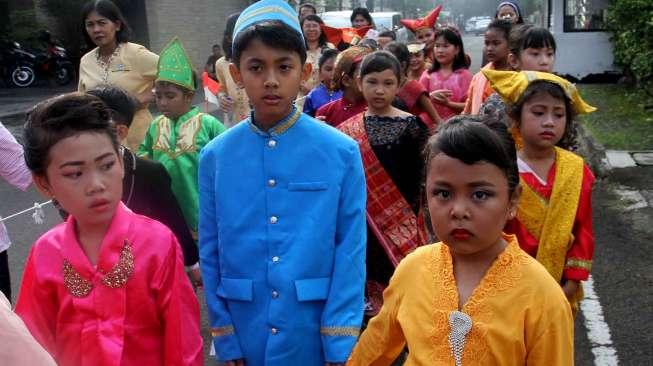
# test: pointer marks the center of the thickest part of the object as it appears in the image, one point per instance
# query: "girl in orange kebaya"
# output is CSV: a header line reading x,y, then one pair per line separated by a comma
x,y
475,298
108,286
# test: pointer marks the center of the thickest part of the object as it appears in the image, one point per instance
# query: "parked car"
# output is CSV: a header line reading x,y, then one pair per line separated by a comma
x,y
477,25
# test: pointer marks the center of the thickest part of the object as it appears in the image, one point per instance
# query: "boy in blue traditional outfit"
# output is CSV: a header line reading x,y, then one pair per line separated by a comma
x,y
282,213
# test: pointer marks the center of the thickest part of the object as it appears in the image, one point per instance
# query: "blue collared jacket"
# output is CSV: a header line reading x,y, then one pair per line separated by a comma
x,y
282,238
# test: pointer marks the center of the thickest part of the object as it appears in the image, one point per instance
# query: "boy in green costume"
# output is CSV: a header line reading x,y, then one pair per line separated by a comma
x,y
176,137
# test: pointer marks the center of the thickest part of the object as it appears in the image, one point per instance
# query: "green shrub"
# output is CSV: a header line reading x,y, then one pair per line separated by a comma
x,y
631,23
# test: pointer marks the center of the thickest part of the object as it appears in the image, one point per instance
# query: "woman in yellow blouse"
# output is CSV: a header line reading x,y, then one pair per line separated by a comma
x,y
316,41
118,62
475,298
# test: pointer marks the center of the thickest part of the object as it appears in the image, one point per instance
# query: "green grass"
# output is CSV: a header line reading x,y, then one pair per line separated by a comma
x,y
621,122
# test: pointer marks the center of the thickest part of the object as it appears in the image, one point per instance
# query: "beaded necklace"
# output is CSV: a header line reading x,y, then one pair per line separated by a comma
x,y
106,65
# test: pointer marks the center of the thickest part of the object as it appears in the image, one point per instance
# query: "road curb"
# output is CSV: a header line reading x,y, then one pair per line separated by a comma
x,y
592,151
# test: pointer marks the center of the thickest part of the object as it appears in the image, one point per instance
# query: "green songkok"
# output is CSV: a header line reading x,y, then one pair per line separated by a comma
x,y
175,66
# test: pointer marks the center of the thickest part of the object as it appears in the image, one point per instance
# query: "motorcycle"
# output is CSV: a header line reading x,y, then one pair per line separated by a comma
x,y
54,63
17,65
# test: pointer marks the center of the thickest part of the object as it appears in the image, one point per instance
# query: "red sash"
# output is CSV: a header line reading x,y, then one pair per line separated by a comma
x,y
389,215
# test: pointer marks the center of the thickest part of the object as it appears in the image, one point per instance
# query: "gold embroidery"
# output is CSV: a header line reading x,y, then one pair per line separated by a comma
x,y
579,263
285,126
222,331
74,282
340,331
78,286
186,139
503,275
122,271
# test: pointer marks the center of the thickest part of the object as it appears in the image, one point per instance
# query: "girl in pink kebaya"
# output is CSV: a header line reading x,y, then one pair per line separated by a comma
x,y
106,287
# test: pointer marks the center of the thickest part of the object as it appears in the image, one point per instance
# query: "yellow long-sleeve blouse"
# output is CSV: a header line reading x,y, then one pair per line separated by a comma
x,y
519,314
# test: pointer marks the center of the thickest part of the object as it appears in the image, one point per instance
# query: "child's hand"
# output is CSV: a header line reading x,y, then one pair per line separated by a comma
x,y
441,96
569,288
196,277
226,103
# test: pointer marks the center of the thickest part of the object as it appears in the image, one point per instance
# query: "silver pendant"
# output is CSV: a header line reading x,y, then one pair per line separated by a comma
x,y
460,324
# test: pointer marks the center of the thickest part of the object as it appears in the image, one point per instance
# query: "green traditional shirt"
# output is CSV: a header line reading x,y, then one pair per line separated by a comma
x,y
176,144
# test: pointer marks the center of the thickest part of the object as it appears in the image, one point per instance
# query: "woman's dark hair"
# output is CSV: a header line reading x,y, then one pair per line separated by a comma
x,y
227,37
327,54
452,37
568,140
370,43
120,103
322,41
61,117
476,138
528,36
389,34
362,12
502,25
109,10
379,61
400,51
274,34
307,5
515,6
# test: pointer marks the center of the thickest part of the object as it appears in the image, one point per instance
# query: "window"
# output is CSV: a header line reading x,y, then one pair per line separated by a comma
x,y
585,15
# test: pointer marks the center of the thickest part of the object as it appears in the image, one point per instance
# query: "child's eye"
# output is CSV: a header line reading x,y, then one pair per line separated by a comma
x,y
441,194
72,175
107,166
481,195
255,68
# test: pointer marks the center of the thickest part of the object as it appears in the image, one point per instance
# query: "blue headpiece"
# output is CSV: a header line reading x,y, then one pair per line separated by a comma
x,y
266,10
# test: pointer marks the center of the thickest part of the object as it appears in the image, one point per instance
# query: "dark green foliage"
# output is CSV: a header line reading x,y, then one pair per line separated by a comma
x,y
631,23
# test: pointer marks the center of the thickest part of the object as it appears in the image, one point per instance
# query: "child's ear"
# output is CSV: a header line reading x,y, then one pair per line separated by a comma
x,y
514,202
235,74
513,61
42,185
306,71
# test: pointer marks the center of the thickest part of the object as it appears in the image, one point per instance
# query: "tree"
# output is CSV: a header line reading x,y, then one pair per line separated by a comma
x,y
631,24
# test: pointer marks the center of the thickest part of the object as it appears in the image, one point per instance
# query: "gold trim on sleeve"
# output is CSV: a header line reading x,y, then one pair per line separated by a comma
x,y
340,331
579,263
222,331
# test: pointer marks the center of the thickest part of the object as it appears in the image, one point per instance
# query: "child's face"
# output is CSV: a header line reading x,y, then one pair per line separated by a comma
x,y
496,46
171,101
271,78
444,51
85,175
383,41
360,22
416,61
327,70
507,12
379,89
469,204
535,59
543,120
426,36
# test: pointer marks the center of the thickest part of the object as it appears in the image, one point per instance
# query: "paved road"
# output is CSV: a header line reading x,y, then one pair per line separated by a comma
x,y
622,276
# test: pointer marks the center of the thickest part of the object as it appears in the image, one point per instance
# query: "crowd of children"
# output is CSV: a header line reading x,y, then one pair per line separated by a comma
x,y
302,234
